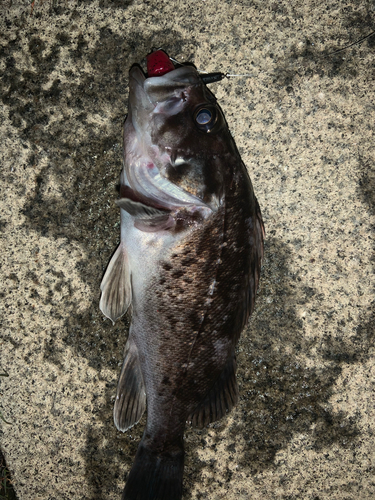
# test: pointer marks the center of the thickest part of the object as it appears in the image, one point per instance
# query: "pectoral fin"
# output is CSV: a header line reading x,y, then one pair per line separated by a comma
x,y
115,286
220,400
131,395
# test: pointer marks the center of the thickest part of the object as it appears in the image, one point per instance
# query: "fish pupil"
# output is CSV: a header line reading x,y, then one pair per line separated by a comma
x,y
204,116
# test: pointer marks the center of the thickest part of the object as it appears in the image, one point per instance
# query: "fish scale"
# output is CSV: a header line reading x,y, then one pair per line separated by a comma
x,y
186,270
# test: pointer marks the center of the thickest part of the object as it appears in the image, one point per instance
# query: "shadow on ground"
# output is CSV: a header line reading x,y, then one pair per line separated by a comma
x,y
75,189
74,200
279,396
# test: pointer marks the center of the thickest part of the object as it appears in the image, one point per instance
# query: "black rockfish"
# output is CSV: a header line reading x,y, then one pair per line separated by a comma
x,y
187,268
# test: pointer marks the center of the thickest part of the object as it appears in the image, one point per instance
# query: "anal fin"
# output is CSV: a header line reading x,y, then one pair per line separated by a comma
x,y
116,286
131,395
221,398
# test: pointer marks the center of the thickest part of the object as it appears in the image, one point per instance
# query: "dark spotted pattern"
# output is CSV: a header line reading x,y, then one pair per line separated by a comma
x,y
200,291
189,322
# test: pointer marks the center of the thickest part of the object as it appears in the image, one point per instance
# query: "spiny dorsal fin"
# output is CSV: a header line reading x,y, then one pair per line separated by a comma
x,y
115,286
131,395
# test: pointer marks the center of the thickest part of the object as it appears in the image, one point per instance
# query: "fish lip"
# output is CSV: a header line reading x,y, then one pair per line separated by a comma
x,y
137,73
133,195
159,196
184,75
177,79
137,93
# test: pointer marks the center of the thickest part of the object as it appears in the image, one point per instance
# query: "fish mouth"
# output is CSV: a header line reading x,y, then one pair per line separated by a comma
x,y
148,186
149,91
165,94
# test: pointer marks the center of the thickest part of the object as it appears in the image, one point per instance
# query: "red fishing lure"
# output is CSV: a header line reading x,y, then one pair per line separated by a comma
x,y
158,63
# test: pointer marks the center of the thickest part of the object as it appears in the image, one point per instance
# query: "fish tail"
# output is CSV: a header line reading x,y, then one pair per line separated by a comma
x,y
155,476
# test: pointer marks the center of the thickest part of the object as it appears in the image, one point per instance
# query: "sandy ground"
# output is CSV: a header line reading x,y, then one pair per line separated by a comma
x,y
303,122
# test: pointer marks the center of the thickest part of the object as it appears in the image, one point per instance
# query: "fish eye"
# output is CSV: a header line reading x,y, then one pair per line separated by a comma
x,y
205,118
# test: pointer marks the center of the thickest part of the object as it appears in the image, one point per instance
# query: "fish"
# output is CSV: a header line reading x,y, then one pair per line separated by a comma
x,y
186,270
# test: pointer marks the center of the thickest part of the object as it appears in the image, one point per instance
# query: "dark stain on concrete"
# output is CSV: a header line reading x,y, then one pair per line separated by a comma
x,y
366,190
113,4
367,182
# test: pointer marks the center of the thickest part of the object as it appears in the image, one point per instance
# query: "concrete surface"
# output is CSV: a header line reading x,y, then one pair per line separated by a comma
x,y
304,124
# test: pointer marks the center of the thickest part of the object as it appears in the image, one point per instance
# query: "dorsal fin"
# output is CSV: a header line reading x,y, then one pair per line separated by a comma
x,y
221,398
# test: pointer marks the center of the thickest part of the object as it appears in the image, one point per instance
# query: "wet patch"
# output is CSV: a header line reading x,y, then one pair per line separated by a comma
x,y
6,489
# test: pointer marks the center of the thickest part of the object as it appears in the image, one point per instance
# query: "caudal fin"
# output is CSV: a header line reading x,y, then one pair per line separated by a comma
x,y
155,476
